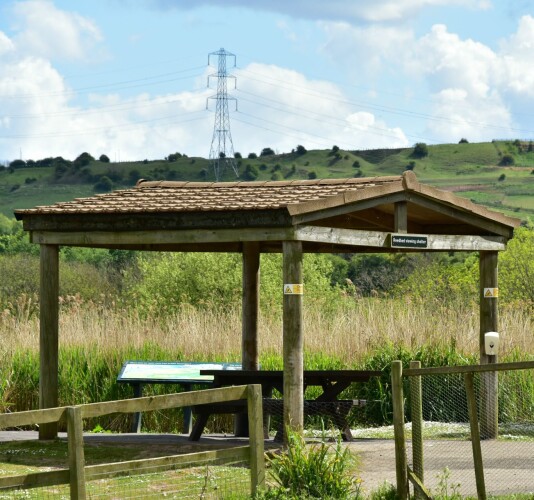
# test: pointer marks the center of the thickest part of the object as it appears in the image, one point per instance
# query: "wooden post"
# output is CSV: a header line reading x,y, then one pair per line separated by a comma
x,y
416,397
255,418
251,305
76,453
293,339
489,409
475,435
401,217
401,464
250,314
48,343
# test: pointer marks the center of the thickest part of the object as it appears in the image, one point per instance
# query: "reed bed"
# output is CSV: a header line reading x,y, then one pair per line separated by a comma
x,y
351,333
360,334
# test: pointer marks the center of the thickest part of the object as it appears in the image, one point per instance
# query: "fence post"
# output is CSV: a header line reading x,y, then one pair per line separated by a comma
x,y
416,398
475,435
255,426
76,453
398,428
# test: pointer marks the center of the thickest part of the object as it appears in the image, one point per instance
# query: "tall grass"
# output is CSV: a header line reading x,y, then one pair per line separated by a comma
x,y
351,333
365,334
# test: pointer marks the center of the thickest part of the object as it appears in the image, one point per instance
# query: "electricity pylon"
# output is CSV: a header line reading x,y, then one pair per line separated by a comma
x,y
222,148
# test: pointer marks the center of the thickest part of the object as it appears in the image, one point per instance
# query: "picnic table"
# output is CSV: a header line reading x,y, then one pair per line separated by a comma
x,y
185,374
332,382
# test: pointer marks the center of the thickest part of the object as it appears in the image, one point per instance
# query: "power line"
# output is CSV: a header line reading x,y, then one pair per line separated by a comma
x,y
373,107
319,117
124,84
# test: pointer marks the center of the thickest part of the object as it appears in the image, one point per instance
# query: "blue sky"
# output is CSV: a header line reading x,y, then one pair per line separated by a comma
x,y
127,78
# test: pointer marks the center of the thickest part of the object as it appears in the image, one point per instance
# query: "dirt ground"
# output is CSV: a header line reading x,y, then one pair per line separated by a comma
x,y
509,465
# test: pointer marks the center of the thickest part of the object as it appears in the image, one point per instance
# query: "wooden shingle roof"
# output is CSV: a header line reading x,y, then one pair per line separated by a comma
x,y
324,213
169,196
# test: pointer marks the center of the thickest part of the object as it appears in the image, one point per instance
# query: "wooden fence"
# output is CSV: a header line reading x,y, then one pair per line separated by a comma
x,y
403,473
77,473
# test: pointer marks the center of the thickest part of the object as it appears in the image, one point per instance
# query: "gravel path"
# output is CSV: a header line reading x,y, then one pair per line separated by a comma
x,y
509,465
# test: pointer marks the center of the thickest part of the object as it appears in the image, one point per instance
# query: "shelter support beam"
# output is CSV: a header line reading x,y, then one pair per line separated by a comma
x,y
401,217
251,305
293,339
249,321
488,266
49,321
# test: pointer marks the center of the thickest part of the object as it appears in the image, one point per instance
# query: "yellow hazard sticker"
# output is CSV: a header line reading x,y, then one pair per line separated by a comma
x,y
293,289
491,293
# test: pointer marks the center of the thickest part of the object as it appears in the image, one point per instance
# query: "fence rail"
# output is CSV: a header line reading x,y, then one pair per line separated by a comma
x,y
473,407
77,473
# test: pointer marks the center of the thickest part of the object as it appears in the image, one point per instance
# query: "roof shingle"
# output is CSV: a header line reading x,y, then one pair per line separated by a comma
x,y
167,196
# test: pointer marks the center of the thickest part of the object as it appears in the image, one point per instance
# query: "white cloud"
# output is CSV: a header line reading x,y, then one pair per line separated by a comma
x,y
456,114
290,109
517,56
6,45
367,49
451,62
46,31
474,89
333,10
278,108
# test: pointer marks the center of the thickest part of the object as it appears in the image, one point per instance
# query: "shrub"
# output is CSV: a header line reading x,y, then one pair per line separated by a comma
x,y
507,160
104,158
463,140
164,282
313,471
251,173
356,164
301,150
21,279
516,267
376,273
441,281
266,152
252,156
82,161
420,150
502,177
173,157
238,155
103,185
312,175
17,164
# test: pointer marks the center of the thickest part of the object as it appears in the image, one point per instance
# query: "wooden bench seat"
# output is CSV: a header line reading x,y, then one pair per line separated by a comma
x,y
336,410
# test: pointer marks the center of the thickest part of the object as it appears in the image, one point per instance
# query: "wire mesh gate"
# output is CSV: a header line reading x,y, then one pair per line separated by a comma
x,y
468,430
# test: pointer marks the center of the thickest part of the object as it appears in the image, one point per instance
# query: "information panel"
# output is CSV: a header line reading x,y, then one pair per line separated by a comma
x,y
154,371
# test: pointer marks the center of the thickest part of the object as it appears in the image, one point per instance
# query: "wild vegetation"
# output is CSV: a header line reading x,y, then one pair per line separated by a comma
x,y
361,312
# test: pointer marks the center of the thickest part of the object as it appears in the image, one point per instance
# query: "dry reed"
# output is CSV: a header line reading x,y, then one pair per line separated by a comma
x,y
354,331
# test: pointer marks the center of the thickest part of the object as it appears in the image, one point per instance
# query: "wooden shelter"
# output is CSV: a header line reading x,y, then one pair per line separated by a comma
x,y
378,214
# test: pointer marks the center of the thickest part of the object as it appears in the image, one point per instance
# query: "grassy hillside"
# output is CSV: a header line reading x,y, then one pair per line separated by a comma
x,y
498,174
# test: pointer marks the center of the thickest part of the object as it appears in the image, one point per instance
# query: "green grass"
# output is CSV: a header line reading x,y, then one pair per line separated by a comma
x,y
449,166
24,457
